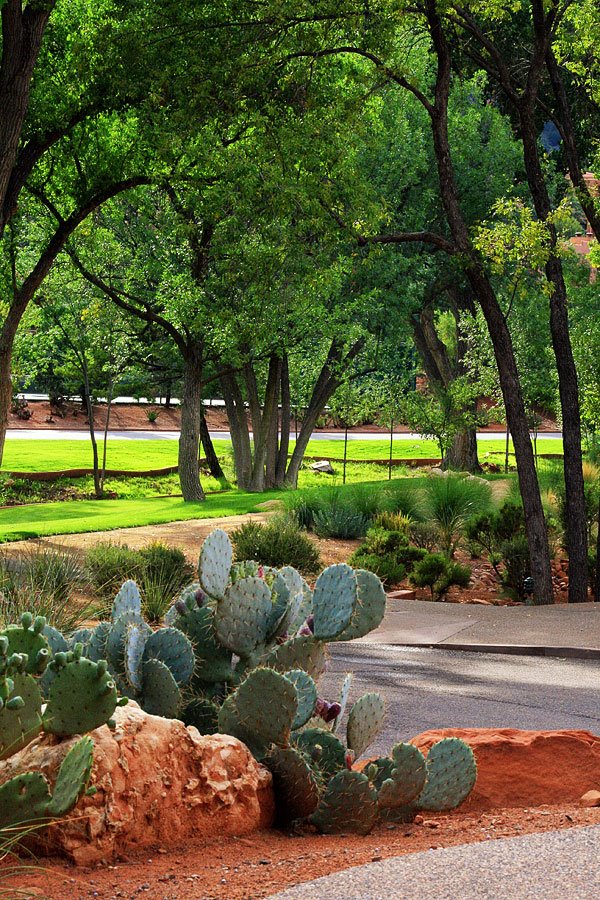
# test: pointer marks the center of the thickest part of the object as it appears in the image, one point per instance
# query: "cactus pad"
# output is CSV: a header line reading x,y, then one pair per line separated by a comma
x,y
267,704
161,695
324,750
296,783
135,642
128,600
349,804
214,566
300,652
242,616
451,775
23,798
203,714
82,697
306,690
370,607
213,662
73,777
96,648
117,637
365,722
407,778
334,599
28,637
19,726
174,650
343,701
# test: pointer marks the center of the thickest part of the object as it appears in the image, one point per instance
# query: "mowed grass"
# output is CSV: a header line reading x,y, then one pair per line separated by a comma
x,y
138,455
37,520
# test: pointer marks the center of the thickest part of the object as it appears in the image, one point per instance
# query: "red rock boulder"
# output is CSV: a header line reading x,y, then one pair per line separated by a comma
x,y
526,768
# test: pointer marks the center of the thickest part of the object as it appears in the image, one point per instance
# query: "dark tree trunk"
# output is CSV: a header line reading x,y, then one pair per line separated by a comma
x,y
501,340
269,412
189,437
238,427
272,427
576,537
286,413
212,460
326,385
22,33
462,455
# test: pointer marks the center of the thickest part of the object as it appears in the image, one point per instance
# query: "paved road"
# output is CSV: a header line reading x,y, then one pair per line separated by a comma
x,y
444,688
558,865
130,435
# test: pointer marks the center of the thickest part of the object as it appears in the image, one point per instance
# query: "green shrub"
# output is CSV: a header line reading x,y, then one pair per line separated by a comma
x,y
387,553
280,542
403,498
449,502
393,521
42,582
438,573
340,522
302,505
424,535
515,556
109,565
167,563
386,567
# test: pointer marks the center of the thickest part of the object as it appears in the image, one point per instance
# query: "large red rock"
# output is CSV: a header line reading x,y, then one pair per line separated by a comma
x,y
526,768
157,783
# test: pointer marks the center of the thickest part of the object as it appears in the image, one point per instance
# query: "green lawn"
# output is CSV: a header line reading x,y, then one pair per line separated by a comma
x,y
48,455
67,517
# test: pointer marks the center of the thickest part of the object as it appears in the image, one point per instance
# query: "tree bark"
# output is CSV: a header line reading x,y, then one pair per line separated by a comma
x,y
326,385
535,524
189,437
212,460
286,415
22,33
576,537
238,427
269,411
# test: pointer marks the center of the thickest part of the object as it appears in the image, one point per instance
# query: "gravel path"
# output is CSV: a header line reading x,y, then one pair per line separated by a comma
x,y
557,865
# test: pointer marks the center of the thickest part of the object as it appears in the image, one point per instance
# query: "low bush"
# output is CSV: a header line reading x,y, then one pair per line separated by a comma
x,y
167,563
109,565
340,522
438,573
42,581
424,535
449,502
489,531
515,556
387,553
393,521
404,497
281,542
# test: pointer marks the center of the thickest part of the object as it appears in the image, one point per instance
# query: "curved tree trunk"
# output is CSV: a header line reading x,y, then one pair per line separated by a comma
x,y
189,437
212,460
539,554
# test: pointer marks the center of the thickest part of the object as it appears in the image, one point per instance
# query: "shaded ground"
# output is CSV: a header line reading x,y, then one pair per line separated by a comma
x,y
264,863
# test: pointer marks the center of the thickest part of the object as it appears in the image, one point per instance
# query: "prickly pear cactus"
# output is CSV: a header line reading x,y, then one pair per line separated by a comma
x,y
26,798
369,609
216,557
349,804
334,601
451,775
365,722
82,695
267,705
20,702
28,638
402,783
296,782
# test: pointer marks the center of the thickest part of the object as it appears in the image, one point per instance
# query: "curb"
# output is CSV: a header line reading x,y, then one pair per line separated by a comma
x,y
510,649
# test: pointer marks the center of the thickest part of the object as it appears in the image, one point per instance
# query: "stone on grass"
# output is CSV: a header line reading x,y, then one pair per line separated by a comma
x,y
157,782
323,466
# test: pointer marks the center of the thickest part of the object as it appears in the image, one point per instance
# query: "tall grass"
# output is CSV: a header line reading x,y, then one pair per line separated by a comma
x,y
449,502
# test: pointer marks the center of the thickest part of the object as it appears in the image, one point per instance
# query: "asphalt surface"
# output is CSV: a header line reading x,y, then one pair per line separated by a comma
x,y
56,434
442,688
557,865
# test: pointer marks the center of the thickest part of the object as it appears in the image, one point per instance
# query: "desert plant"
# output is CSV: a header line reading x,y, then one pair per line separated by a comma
x,y
387,553
152,415
438,573
280,542
393,521
340,522
449,502
108,565
43,580
515,556
424,535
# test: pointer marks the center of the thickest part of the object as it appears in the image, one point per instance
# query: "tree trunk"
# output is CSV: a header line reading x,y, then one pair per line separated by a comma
x,y
272,453
535,524
105,435
462,455
189,437
238,428
286,407
212,460
326,385
269,412
576,537
5,387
